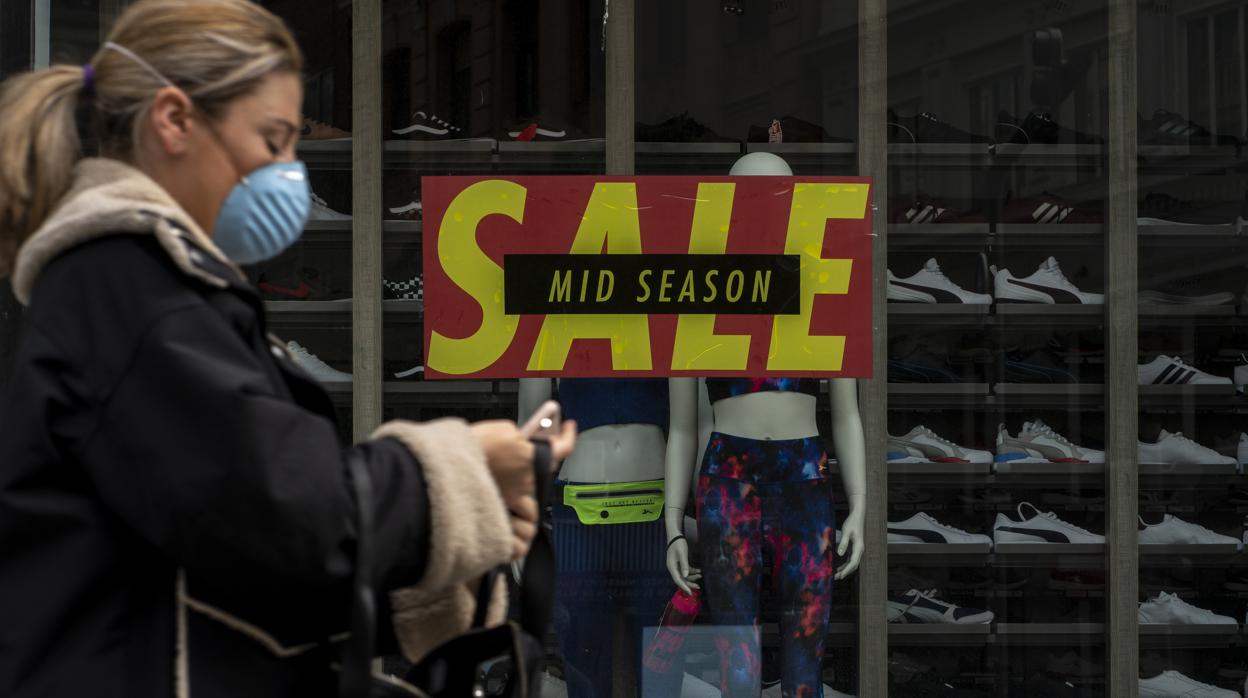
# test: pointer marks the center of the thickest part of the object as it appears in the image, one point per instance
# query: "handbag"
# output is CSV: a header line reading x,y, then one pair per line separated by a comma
x,y
453,669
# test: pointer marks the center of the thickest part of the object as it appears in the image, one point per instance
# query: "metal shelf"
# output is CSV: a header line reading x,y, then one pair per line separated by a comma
x,y
1167,470
458,156
1189,396
1049,235
579,156
812,158
927,314
904,469
903,634
1189,550
1049,634
1046,155
688,158
929,549
1049,549
1057,469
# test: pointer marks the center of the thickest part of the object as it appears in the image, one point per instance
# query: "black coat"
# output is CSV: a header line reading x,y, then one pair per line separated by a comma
x,y
170,479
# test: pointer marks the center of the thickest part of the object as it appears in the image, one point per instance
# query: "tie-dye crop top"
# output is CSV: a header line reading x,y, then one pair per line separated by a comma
x,y
720,388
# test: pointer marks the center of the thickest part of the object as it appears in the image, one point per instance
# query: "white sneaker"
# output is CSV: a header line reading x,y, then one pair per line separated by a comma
x,y
1169,609
1177,449
1170,370
922,445
1040,527
1038,443
1172,684
1240,375
320,370
916,606
1175,531
930,285
322,212
1047,285
922,528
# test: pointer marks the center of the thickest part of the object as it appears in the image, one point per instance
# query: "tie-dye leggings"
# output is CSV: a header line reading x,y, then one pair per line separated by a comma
x,y
767,500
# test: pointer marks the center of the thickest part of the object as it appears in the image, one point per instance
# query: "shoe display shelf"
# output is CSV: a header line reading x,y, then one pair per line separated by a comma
x,y
318,232
1048,155
1180,637
1185,158
903,237
1158,398
936,156
946,634
462,156
1049,634
687,158
445,393
997,315
337,312
821,159
573,156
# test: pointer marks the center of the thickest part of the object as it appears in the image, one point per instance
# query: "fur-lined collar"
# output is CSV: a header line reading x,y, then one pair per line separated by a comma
x,y
109,197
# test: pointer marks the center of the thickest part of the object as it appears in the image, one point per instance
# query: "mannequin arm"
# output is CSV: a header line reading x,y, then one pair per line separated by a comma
x,y
682,434
533,392
851,455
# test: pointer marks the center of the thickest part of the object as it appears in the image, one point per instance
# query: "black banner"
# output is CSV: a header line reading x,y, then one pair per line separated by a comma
x,y
656,284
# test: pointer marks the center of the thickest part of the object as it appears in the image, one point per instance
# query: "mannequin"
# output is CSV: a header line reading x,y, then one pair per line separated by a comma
x,y
764,493
606,527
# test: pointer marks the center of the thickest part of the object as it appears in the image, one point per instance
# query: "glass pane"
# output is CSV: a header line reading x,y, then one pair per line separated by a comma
x,y
1191,355
716,81
996,355
506,88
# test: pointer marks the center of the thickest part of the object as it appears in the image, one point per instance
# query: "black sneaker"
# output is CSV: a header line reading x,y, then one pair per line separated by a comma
x,y
679,129
1168,128
926,128
1159,208
1039,128
789,129
1039,366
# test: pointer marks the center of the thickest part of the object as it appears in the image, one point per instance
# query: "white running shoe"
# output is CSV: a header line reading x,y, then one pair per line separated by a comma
x,y
1172,684
1177,449
1169,609
930,285
1170,370
1038,443
1040,527
1175,531
916,606
1240,375
922,528
320,370
322,212
922,445
1047,285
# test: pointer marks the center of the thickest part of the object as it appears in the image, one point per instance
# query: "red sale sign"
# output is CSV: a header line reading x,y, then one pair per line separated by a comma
x,y
647,276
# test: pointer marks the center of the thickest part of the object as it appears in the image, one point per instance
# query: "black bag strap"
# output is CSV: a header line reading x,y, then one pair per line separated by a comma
x,y
537,583
355,679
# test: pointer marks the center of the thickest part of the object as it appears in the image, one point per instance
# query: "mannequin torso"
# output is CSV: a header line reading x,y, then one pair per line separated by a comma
x,y
616,453
771,415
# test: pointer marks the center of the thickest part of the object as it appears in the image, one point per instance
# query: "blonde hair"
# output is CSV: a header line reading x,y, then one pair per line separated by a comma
x,y
214,50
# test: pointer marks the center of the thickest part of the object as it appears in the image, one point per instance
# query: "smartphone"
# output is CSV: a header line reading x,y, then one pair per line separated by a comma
x,y
544,423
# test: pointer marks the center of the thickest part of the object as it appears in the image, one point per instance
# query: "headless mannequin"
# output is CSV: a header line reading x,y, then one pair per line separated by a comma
x,y
762,417
600,627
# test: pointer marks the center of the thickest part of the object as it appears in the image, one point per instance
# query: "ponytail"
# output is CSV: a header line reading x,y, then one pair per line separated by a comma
x,y
38,149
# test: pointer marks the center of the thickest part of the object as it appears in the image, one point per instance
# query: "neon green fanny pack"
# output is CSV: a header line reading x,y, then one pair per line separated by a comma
x,y
615,502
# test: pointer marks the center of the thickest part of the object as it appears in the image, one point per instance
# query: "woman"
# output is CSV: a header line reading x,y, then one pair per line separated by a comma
x,y
174,502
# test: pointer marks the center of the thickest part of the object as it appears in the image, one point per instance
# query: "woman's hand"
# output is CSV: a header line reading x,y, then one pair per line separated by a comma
x,y
510,457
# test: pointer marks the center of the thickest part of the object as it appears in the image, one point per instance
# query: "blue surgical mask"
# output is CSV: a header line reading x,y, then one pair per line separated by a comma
x,y
265,213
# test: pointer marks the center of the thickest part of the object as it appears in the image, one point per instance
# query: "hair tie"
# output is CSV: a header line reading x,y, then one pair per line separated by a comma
x,y
88,81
